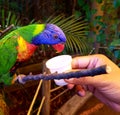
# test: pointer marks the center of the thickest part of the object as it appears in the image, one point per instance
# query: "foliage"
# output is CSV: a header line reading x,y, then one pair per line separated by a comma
x,y
116,3
16,6
107,26
8,18
114,47
85,9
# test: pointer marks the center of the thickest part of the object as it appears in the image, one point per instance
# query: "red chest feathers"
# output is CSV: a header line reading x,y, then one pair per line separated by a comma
x,y
25,49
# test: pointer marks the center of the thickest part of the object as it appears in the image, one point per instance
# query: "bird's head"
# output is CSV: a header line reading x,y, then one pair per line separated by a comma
x,y
51,35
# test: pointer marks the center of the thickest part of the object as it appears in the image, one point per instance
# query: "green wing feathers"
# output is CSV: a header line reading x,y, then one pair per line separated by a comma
x,y
8,55
30,31
8,51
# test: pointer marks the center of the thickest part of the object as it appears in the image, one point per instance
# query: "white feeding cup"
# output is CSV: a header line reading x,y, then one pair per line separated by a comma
x,y
59,64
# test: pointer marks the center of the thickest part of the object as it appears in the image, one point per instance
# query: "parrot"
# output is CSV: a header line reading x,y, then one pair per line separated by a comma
x,y
20,44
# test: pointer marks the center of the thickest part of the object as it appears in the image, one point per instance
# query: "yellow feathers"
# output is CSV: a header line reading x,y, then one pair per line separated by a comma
x,y
39,28
22,44
25,49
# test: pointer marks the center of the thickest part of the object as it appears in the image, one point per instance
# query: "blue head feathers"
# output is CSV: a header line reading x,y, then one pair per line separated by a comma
x,y
51,35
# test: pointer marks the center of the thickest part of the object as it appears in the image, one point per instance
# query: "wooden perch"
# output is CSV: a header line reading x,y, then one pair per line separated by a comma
x,y
74,74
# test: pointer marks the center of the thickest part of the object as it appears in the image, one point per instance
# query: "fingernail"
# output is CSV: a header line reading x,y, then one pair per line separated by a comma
x,y
81,93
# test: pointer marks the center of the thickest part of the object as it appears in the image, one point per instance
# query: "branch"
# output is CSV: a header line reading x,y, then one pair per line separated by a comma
x,y
75,74
6,30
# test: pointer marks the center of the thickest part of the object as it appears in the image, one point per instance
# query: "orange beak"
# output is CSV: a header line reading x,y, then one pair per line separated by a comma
x,y
58,47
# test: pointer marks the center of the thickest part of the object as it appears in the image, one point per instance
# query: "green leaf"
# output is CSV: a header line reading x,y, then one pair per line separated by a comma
x,y
98,18
116,3
81,2
99,1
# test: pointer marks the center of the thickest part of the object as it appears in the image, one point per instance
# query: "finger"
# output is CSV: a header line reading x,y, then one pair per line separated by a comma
x,y
80,62
95,81
91,61
81,81
80,90
70,86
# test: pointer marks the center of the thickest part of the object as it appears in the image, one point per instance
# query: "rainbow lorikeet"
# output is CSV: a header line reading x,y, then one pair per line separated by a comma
x,y
20,44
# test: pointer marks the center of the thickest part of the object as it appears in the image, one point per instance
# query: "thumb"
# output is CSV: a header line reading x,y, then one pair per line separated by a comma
x,y
90,80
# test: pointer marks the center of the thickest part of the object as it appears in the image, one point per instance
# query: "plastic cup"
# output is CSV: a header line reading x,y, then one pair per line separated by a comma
x,y
59,64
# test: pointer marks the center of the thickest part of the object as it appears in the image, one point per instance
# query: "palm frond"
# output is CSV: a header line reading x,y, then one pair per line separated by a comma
x,y
8,18
75,31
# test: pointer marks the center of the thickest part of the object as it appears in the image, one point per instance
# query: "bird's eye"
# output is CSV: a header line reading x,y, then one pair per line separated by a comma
x,y
55,36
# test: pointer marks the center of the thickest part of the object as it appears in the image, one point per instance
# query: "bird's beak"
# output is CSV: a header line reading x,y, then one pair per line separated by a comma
x,y
58,47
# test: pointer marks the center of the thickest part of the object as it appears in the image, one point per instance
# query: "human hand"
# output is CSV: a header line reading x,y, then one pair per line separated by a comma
x,y
105,87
